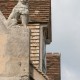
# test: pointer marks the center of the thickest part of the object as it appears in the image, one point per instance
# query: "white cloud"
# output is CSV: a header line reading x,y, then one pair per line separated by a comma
x,y
68,74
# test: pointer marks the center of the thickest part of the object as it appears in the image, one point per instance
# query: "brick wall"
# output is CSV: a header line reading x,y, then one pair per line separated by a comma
x,y
53,66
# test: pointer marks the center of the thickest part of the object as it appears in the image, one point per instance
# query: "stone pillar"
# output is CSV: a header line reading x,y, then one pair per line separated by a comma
x,y
14,54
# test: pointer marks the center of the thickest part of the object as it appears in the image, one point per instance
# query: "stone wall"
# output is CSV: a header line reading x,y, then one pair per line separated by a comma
x,y
14,53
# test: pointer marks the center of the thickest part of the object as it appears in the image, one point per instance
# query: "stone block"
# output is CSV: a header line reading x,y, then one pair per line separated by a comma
x,y
14,53
34,48
32,41
35,37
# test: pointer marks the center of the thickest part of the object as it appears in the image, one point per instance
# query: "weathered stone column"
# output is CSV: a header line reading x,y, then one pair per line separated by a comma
x,y
14,53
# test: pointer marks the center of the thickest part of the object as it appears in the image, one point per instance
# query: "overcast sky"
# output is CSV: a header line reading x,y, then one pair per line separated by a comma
x,y
66,36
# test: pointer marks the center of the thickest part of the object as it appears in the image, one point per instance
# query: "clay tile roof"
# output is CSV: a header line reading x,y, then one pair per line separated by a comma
x,y
6,6
39,10
53,66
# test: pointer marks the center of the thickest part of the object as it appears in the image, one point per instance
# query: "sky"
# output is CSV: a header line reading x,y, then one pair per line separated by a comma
x,y
66,36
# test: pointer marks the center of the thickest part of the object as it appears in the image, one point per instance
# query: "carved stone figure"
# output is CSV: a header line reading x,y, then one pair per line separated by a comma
x,y
19,11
